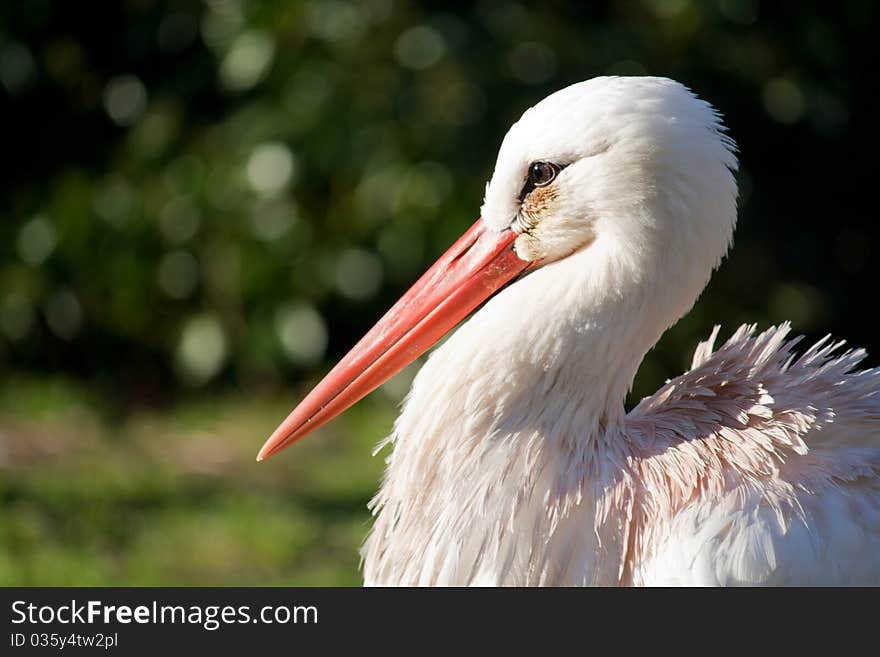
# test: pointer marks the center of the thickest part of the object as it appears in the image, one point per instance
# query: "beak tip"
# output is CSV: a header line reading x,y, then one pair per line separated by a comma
x,y
267,450
280,439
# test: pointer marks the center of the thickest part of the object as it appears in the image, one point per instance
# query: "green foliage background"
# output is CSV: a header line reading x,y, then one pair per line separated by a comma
x,y
205,203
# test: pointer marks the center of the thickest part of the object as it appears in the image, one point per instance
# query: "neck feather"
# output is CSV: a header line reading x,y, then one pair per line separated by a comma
x,y
556,352
510,423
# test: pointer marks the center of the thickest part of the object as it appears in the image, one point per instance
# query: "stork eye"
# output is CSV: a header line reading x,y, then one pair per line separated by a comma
x,y
542,173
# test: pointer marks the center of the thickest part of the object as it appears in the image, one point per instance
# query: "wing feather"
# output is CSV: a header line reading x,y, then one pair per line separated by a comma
x,y
758,466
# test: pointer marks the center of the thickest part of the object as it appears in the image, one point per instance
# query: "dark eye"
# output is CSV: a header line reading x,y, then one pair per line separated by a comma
x,y
542,173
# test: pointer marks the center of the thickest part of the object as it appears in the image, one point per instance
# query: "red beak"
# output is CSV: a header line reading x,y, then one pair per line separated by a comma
x,y
472,270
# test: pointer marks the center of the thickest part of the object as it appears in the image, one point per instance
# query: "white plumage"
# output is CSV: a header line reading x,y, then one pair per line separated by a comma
x,y
513,460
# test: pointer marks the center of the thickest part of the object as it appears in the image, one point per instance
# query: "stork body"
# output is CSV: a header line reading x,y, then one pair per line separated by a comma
x,y
514,462
753,468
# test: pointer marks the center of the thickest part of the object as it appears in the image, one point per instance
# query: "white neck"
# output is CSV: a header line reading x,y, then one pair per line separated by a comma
x,y
517,409
562,345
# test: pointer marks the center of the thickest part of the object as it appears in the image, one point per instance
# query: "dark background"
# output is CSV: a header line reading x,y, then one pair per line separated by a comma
x,y
205,203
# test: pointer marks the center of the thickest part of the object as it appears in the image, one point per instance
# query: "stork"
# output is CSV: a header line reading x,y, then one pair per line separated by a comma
x,y
514,461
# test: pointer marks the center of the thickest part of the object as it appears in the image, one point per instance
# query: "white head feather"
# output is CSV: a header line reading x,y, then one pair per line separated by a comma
x,y
647,178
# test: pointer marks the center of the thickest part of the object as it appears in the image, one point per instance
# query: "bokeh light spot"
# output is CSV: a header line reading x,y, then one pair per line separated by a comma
x,y
115,200
273,220
270,168
425,187
247,61
179,220
156,132
302,333
419,47
783,100
336,21
64,314
799,303
36,241
125,99
202,349
17,67
178,274
358,274
221,23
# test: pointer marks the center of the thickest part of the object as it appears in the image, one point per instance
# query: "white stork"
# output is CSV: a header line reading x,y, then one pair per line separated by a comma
x,y
514,462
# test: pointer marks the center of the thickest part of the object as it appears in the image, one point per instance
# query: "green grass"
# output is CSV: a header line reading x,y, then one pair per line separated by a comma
x,y
176,498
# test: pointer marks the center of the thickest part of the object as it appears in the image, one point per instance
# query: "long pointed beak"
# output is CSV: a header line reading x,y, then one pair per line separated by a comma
x,y
472,270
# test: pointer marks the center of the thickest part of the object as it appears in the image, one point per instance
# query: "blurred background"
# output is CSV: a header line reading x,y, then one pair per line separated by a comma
x,y
204,203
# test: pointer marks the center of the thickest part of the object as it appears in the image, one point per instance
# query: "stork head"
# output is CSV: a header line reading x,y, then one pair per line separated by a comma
x,y
632,174
638,166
